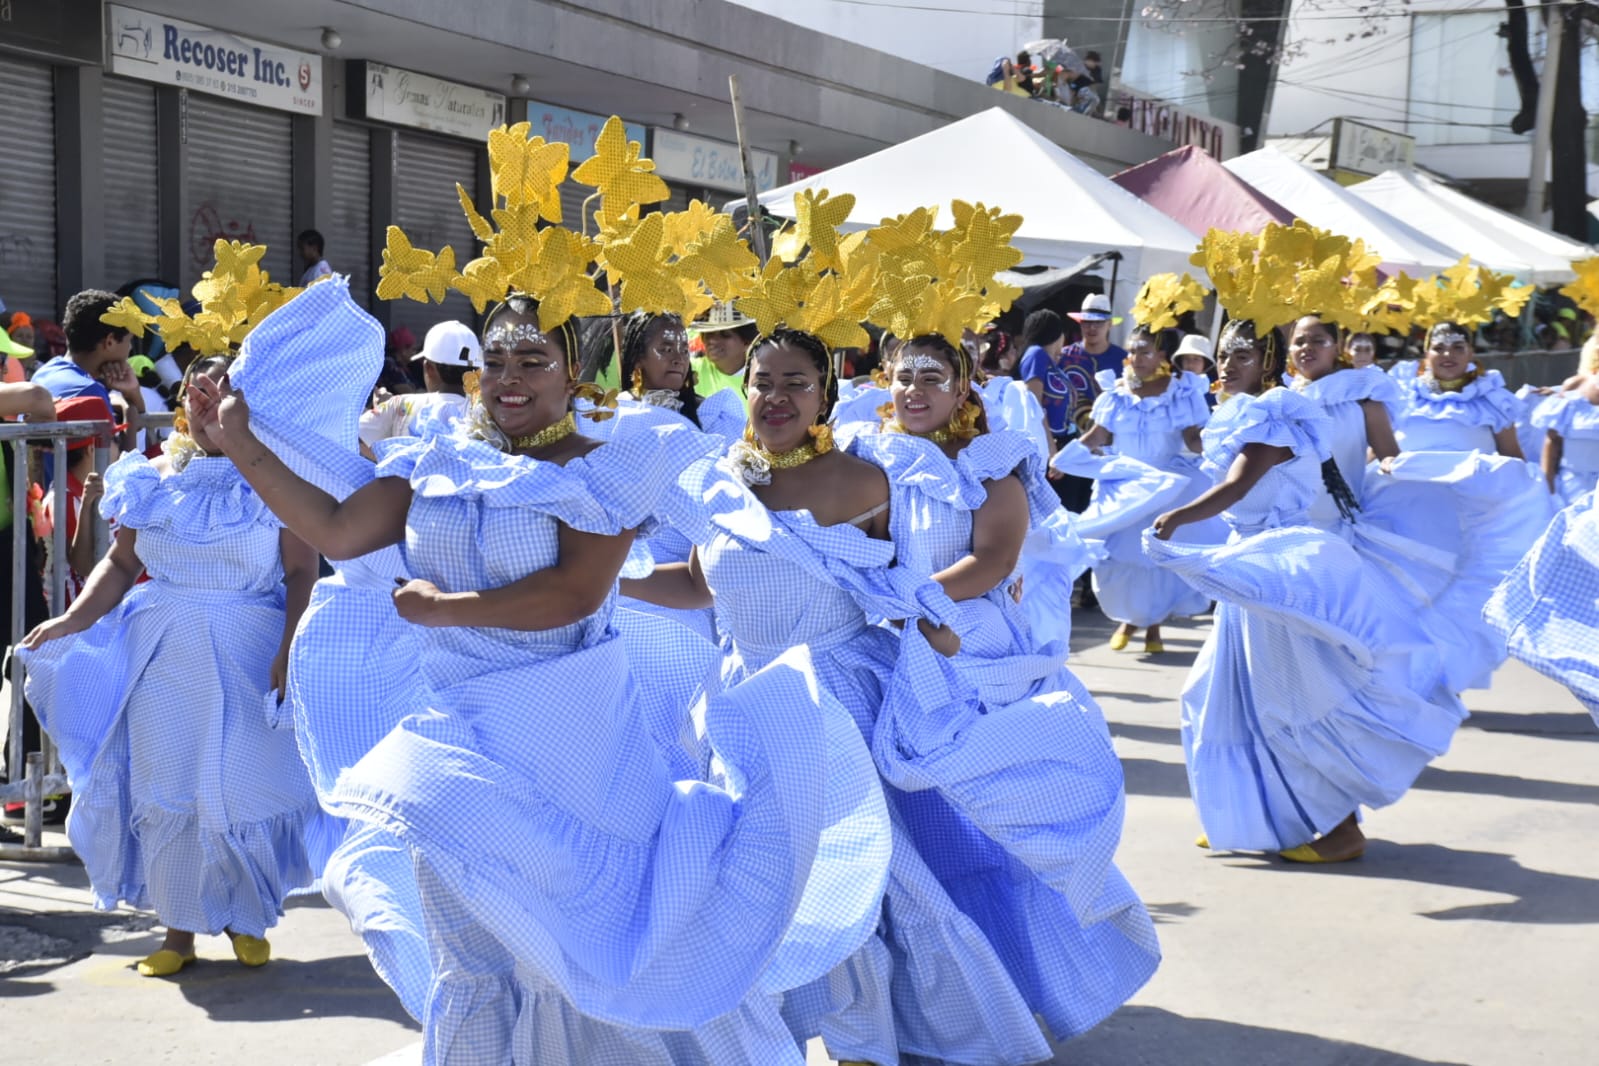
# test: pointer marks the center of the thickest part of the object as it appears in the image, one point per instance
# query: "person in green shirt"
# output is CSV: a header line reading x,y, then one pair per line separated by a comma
x,y
727,336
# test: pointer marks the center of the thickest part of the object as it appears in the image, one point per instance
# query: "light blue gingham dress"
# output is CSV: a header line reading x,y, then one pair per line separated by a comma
x,y
1475,511
1577,422
185,800
1009,783
306,371
926,983
1548,606
1149,429
1316,692
579,904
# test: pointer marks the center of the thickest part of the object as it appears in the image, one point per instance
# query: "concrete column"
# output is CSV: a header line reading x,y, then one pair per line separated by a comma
x,y
384,159
172,155
312,174
80,180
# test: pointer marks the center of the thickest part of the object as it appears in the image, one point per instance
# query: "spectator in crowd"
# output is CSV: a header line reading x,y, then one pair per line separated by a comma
x,y
96,362
1088,89
727,336
50,340
32,402
1193,356
1043,337
1084,360
155,402
310,245
14,352
395,377
21,332
84,488
448,353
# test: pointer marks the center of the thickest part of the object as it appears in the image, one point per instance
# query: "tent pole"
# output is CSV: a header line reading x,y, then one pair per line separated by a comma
x,y
752,205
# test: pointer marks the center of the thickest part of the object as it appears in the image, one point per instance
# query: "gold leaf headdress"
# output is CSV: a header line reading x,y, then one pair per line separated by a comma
x,y
944,282
1585,290
817,281
1165,298
1286,271
1465,293
234,295
676,263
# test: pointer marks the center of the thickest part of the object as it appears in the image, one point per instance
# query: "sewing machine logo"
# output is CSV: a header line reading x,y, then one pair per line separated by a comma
x,y
134,37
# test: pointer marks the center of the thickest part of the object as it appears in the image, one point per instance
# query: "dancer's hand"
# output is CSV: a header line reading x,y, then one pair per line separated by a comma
x,y
280,673
421,602
1387,465
216,410
54,629
1166,525
942,639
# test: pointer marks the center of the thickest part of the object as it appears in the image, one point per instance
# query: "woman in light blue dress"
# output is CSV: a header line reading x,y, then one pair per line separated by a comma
x,y
579,905
1461,487
1028,738
1314,694
1152,413
1547,607
160,697
1569,421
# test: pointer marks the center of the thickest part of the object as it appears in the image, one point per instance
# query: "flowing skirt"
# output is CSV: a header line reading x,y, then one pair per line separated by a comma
x,y
1315,693
185,799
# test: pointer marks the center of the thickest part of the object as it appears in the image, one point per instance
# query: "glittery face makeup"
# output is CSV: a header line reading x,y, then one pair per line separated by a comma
x,y
665,363
1447,340
1241,369
508,335
1237,343
923,390
1449,353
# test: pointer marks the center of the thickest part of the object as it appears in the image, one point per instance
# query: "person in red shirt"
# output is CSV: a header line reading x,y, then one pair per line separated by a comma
x,y
84,488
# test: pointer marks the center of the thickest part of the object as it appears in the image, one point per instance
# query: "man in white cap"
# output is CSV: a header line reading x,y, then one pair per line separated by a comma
x,y
449,352
727,336
1092,354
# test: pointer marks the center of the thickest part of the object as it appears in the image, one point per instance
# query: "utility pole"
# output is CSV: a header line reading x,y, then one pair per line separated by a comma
x,y
1538,176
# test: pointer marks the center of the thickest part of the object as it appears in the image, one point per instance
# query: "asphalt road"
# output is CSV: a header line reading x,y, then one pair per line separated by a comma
x,y
1469,933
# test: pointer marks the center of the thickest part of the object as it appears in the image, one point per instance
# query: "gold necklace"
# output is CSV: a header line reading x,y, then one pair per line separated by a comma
x,y
1450,384
941,435
789,459
548,435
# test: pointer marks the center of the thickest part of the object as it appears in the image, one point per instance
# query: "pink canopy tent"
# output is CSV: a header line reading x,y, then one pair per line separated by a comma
x,y
1188,185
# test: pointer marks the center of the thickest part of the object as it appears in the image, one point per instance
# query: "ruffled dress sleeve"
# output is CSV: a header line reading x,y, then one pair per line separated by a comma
x,y
713,501
618,486
1106,406
1280,418
1568,414
1485,401
1188,396
206,501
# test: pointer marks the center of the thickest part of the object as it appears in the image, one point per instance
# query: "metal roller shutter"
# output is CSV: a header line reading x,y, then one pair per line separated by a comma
x,y
349,247
240,163
28,190
132,200
430,214
572,197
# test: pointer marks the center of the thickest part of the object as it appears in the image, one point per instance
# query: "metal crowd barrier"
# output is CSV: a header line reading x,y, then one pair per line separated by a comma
x,y
42,774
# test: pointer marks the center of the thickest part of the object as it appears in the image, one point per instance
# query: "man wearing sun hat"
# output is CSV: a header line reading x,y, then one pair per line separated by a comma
x,y
1083,361
448,353
727,336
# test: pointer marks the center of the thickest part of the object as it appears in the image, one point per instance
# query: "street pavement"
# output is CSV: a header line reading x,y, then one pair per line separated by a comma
x,y
1469,933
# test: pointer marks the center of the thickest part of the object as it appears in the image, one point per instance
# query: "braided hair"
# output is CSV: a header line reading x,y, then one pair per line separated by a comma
x,y
812,346
958,362
635,347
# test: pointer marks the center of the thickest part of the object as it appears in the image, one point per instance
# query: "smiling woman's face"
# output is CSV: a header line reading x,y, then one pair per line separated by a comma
x,y
924,388
785,396
524,385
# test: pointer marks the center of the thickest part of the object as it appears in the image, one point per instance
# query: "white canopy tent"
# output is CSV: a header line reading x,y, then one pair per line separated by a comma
x,y
1420,201
1323,202
1069,210
1497,238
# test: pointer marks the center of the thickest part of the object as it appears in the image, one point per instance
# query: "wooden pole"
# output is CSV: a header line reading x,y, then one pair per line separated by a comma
x,y
752,206
1537,178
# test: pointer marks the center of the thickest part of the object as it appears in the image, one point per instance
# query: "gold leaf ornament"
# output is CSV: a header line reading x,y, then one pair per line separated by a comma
x,y
526,170
1165,298
234,296
414,273
1584,291
817,218
617,171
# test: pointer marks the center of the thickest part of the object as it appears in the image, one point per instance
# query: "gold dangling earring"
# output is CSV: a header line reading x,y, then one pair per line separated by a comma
x,y
821,437
638,382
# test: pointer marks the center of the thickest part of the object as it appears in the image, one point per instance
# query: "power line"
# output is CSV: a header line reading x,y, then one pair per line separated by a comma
x,y
1227,20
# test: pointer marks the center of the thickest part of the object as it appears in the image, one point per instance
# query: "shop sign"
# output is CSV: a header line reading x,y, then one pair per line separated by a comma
x,y
708,164
421,101
579,129
171,51
1157,118
1362,149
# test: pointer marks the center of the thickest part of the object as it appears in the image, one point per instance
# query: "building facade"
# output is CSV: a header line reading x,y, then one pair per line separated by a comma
x,y
143,132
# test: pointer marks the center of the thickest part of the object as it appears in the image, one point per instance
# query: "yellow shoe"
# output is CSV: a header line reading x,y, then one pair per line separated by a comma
x,y
1119,639
1202,841
163,963
251,950
1307,854
1154,647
